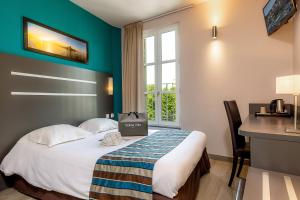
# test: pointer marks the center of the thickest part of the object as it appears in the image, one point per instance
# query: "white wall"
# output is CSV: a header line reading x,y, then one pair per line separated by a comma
x,y
241,64
296,56
297,42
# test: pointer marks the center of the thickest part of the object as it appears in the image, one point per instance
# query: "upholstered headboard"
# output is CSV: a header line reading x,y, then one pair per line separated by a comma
x,y
35,94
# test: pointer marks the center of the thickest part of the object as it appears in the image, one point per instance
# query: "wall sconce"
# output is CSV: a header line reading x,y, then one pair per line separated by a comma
x,y
214,32
110,86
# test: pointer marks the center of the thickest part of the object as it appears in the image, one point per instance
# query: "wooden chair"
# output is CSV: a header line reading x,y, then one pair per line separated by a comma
x,y
239,146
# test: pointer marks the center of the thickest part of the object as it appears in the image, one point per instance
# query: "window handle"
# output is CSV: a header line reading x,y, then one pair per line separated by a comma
x,y
158,93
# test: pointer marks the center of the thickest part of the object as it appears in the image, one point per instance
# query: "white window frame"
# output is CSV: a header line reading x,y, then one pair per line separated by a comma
x,y
157,33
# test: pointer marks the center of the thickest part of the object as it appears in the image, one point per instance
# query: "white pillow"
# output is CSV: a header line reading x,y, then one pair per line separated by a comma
x,y
98,125
57,134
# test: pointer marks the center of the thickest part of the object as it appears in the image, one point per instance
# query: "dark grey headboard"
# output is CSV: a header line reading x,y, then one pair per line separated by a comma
x,y
30,97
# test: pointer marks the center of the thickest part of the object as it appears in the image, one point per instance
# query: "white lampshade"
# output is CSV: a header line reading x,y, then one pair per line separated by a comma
x,y
288,84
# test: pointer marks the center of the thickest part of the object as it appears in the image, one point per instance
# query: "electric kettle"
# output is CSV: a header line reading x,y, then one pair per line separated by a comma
x,y
277,106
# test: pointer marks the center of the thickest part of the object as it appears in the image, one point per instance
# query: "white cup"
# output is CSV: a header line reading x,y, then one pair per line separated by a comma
x,y
263,110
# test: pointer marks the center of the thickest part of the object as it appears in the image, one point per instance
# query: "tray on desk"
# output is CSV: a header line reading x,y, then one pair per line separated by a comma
x,y
258,114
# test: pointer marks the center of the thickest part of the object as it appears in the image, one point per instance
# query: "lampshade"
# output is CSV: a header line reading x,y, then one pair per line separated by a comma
x,y
110,87
288,84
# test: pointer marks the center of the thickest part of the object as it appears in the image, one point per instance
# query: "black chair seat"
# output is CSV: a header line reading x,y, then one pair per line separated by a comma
x,y
241,149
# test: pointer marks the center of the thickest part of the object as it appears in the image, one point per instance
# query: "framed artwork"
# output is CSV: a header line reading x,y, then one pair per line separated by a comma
x,y
43,39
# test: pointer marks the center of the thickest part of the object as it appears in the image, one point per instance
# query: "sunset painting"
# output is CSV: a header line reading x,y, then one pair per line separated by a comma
x,y
46,40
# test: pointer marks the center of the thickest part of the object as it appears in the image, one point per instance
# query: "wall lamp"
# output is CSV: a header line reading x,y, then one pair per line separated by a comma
x,y
110,86
214,32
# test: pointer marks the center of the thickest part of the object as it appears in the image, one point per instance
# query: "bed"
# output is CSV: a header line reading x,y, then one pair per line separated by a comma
x,y
65,171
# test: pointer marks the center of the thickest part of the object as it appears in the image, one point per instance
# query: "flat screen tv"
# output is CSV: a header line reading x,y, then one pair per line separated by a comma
x,y
278,13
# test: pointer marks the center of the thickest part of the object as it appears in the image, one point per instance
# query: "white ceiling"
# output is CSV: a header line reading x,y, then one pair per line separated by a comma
x,y
121,12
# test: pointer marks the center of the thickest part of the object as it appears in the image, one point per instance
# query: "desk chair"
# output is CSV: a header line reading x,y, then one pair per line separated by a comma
x,y
239,146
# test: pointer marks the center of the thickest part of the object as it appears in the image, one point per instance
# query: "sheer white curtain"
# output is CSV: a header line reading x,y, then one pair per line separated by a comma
x,y
132,73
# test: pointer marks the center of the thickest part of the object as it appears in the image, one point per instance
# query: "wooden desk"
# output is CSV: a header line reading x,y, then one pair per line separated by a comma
x,y
271,147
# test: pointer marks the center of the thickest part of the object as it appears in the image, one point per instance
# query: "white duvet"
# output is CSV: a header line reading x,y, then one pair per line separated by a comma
x,y
67,168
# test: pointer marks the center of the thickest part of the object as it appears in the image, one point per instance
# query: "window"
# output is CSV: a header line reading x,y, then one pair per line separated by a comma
x,y
161,76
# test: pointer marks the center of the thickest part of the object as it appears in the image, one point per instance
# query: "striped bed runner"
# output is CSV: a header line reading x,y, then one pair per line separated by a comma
x,y
126,174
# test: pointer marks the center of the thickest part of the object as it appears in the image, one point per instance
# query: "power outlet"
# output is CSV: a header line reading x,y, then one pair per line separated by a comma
x,y
107,116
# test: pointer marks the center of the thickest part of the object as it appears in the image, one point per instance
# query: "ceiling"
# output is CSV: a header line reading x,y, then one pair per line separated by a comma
x,y
121,12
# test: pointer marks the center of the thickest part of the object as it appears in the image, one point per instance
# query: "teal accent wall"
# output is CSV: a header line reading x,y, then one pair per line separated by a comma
x,y
117,71
103,39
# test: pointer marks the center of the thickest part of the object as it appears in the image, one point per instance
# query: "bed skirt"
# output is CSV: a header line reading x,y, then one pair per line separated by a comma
x,y
187,192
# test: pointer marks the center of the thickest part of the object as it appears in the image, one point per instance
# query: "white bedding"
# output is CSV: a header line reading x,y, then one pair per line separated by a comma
x,y
68,168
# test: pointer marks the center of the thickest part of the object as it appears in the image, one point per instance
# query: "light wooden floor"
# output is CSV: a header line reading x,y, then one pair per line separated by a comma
x,y
213,186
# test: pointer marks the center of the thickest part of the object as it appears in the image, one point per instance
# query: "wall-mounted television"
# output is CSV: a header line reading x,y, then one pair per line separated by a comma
x,y
278,13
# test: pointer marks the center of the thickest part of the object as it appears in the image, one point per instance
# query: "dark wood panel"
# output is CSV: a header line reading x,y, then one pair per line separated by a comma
x,y
50,86
22,114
